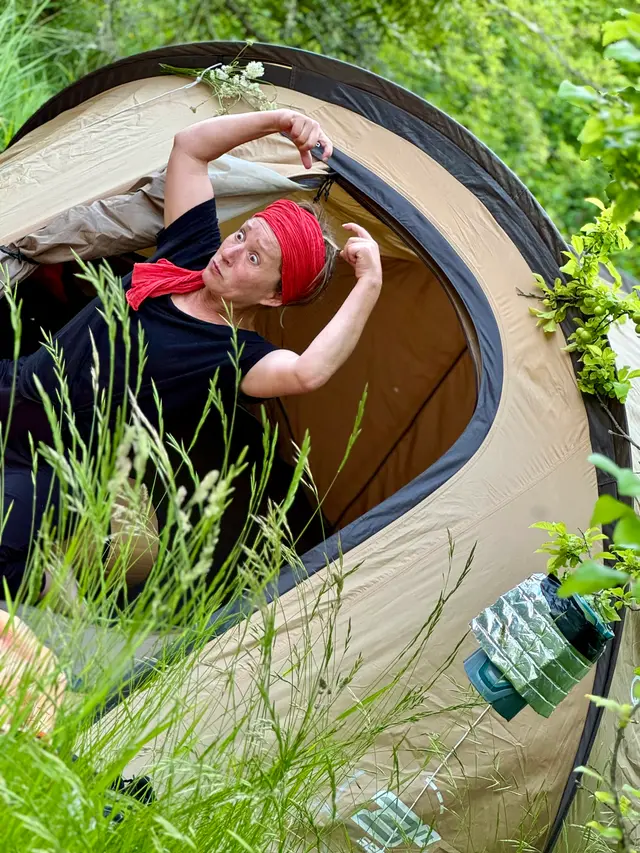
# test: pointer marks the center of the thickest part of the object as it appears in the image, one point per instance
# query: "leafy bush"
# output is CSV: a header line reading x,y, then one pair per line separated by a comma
x,y
612,132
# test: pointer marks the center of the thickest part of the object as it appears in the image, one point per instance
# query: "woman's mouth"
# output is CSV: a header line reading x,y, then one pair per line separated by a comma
x,y
215,267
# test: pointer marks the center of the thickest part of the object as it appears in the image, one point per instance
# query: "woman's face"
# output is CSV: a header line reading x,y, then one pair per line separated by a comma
x,y
246,268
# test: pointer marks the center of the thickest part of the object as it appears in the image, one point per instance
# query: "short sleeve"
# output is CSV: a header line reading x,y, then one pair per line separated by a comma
x,y
192,238
253,351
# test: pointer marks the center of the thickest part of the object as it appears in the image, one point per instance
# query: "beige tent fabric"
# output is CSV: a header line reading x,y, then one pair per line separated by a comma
x,y
83,155
103,148
94,230
419,400
504,765
532,466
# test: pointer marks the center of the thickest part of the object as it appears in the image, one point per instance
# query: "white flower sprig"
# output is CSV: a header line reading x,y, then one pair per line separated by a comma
x,y
231,83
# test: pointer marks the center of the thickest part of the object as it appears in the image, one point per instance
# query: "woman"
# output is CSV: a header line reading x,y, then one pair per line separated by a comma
x,y
278,257
181,300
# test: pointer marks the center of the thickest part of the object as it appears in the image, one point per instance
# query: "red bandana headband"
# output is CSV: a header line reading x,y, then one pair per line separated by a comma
x,y
301,243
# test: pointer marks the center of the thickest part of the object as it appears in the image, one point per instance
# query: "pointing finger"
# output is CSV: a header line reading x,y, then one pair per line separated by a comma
x,y
358,230
307,162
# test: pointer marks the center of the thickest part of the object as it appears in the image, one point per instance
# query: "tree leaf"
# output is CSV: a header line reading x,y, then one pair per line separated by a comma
x,y
626,204
608,509
628,482
627,532
605,797
599,204
577,241
549,526
622,710
606,831
587,771
616,31
591,577
604,464
621,389
622,51
578,95
594,129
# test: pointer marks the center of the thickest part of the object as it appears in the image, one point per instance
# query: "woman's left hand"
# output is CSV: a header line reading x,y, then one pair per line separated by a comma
x,y
363,253
305,133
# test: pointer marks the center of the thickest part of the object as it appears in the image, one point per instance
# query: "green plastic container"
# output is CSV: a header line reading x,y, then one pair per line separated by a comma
x,y
493,686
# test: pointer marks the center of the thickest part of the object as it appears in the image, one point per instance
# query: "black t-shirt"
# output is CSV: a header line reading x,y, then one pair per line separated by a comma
x,y
182,352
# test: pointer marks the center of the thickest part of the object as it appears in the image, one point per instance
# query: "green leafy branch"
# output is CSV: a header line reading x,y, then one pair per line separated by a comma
x,y
610,134
611,578
598,302
622,806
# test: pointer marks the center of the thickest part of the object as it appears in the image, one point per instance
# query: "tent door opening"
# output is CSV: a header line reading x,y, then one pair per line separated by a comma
x,y
417,359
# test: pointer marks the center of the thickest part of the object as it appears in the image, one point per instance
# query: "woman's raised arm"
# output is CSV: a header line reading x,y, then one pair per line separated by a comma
x,y
282,372
187,181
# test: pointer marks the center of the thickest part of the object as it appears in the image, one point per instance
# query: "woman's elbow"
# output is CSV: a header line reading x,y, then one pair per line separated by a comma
x,y
311,380
186,142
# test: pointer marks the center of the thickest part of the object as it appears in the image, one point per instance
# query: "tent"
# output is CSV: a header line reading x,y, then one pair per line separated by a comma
x,y
474,423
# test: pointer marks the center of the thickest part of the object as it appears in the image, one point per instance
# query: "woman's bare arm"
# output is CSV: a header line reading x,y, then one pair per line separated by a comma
x,y
282,372
187,180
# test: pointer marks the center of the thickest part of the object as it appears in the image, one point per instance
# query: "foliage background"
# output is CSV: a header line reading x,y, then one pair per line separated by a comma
x,y
494,66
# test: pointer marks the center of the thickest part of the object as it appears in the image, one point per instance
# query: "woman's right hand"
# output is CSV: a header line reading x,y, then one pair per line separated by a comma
x,y
363,254
305,133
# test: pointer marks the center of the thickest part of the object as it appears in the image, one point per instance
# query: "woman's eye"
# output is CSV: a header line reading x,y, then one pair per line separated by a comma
x,y
240,236
253,258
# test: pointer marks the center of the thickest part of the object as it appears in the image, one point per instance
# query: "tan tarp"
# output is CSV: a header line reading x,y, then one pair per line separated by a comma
x,y
532,465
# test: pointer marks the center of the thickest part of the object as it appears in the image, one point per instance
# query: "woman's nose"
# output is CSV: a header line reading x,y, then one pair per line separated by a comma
x,y
229,253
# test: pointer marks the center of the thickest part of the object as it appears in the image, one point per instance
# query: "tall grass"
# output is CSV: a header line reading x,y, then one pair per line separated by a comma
x,y
32,68
245,751
45,45
246,748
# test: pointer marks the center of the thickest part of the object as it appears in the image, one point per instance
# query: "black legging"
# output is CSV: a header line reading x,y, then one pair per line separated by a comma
x,y
21,506
27,416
